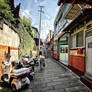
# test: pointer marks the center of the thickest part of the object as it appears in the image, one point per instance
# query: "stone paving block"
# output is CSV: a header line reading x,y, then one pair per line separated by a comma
x,y
28,90
59,90
53,83
47,89
77,89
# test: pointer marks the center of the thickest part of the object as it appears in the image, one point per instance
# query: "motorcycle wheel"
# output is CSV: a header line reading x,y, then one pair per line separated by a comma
x,y
30,77
14,88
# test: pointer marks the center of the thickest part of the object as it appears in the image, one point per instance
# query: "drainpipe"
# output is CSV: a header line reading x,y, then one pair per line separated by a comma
x,y
58,48
84,43
69,45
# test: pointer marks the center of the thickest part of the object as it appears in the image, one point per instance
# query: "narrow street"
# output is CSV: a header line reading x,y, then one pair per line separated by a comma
x,y
56,78
34,31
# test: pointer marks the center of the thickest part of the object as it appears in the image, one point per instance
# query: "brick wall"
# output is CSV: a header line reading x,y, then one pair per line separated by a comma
x,y
3,50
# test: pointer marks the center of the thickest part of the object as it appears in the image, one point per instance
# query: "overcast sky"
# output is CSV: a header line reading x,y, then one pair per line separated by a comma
x,y
30,9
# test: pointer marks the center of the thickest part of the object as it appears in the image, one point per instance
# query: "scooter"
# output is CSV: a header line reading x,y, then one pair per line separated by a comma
x,y
36,61
17,78
29,64
31,73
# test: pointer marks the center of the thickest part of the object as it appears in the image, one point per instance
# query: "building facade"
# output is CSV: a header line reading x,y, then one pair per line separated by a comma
x,y
75,40
80,44
60,40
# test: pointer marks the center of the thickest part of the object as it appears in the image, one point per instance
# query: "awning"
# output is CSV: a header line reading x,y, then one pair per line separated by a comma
x,y
73,12
86,13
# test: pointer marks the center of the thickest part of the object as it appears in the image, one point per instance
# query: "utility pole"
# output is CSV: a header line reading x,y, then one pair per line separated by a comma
x,y
41,11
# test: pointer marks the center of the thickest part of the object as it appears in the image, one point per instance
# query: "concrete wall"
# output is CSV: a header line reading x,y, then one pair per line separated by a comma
x,y
8,37
9,43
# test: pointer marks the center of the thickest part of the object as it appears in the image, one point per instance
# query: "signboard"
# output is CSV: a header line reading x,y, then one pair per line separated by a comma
x,y
14,53
63,42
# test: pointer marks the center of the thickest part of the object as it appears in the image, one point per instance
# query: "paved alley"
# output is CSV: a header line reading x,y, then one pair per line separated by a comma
x,y
56,78
58,32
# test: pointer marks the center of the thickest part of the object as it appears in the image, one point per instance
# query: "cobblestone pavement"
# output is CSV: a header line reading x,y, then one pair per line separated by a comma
x,y
55,78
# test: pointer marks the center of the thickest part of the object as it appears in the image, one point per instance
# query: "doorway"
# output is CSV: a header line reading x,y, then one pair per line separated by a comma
x,y
89,57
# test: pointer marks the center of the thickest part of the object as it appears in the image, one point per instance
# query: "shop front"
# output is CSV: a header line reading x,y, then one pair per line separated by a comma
x,y
63,50
80,50
87,78
77,51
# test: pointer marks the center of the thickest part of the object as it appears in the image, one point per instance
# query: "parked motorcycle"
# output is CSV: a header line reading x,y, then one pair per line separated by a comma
x,y
36,62
28,64
17,77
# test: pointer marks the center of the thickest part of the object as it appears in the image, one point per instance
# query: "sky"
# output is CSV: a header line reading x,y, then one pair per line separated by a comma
x,y
29,8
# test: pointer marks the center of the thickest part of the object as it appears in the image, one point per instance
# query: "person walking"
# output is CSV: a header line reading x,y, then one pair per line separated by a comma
x,y
42,60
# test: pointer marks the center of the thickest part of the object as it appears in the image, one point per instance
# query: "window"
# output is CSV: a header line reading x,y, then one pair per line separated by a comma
x,y
90,45
64,50
89,33
79,39
73,41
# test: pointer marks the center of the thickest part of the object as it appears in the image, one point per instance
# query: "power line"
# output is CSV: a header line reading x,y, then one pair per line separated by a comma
x,y
41,11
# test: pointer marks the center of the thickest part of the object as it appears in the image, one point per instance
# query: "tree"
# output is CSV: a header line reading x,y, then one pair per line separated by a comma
x,y
5,9
27,25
